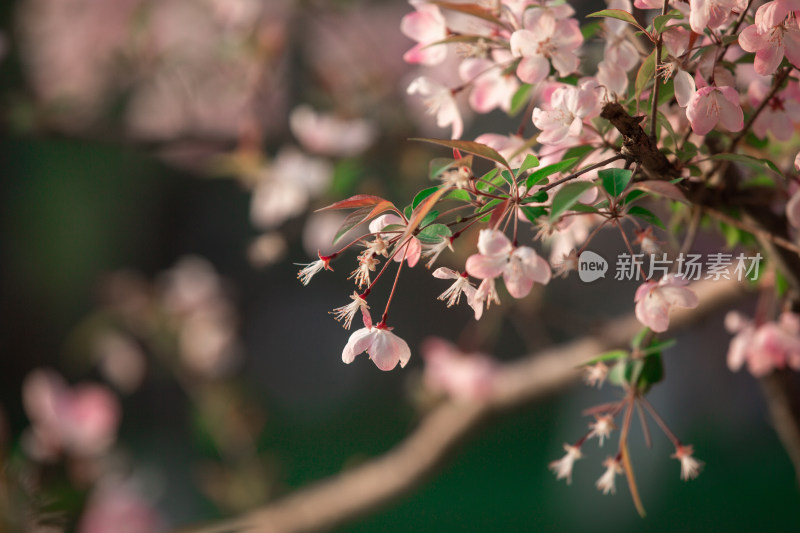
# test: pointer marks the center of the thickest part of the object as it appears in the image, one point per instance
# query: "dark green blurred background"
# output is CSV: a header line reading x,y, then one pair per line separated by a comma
x,y
73,210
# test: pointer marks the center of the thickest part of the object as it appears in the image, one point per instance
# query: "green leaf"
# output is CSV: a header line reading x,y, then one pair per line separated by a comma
x,y
590,30
531,161
428,219
520,99
489,208
538,175
568,196
619,15
661,20
434,234
659,346
578,151
645,74
408,211
581,208
752,162
481,150
615,180
532,213
646,215
421,195
537,198
636,341
458,194
651,372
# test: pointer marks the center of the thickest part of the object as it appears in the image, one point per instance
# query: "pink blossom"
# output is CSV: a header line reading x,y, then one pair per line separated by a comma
x,y
327,134
464,377
284,188
491,86
618,49
713,13
781,113
439,101
772,36
569,107
511,147
521,267
613,77
79,420
765,347
545,39
595,374
411,251
426,26
654,300
384,347
486,293
711,105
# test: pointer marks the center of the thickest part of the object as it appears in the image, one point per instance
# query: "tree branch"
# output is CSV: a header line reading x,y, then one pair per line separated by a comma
x,y
370,486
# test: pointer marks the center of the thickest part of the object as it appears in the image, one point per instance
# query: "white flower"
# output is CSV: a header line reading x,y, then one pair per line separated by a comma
x,y
655,299
461,285
311,269
384,347
606,483
690,467
439,101
563,467
348,311
595,374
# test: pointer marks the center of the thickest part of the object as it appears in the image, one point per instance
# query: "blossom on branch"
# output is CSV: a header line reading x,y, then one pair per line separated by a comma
x,y
382,346
710,105
654,300
543,40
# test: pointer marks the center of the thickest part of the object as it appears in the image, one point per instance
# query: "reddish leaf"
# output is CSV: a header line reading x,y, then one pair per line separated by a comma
x,y
471,9
359,200
420,212
498,212
481,150
661,188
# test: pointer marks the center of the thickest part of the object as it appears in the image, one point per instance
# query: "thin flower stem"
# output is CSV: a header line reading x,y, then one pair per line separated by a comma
x,y
394,286
628,245
592,235
645,429
776,85
653,413
581,172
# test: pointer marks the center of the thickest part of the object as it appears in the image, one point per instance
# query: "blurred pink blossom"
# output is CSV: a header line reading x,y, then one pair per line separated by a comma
x,y
119,508
463,377
654,300
326,134
426,26
764,347
80,421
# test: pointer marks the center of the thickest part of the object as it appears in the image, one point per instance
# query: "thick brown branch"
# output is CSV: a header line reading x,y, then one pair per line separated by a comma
x,y
366,488
637,144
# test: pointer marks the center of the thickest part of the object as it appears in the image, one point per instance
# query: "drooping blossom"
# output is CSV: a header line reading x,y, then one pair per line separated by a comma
x,y
382,346
710,105
654,300
765,347
545,39
602,427
439,101
690,467
607,482
773,36
426,26
486,293
284,187
311,269
618,50
80,421
563,466
329,135
432,251
595,374
464,377
520,267
460,286
569,107
347,312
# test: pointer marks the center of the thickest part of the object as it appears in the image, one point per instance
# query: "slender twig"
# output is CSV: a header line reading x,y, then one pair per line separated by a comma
x,y
581,172
759,232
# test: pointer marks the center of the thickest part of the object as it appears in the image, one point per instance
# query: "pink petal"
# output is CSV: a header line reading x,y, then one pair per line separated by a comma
x,y
485,266
701,113
493,242
388,349
752,40
445,273
678,297
730,111
652,311
684,87
791,42
359,341
533,69
767,59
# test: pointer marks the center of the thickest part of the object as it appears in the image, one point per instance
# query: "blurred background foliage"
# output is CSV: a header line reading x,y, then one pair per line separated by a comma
x,y
84,196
